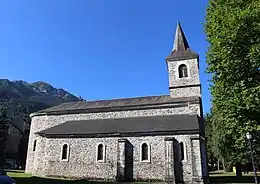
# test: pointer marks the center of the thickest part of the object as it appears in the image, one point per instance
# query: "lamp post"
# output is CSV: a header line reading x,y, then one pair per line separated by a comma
x,y
249,138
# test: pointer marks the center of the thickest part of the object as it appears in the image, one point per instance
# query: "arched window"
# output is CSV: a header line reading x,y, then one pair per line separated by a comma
x,y
65,152
145,152
100,152
181,151
34,145
183,71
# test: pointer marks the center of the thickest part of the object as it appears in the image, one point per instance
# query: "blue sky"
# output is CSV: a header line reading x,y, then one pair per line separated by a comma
x,y
98,49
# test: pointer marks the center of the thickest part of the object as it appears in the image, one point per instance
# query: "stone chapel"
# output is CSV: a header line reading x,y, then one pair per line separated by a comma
x,y
151,138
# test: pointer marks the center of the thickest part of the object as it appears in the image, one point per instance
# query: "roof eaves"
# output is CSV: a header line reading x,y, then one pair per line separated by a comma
x,y
122,134
180,103
183,57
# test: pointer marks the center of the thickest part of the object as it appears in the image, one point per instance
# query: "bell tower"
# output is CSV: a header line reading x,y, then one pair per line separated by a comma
x,y
183,68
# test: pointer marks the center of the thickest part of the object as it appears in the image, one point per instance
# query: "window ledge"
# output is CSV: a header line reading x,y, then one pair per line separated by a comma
x,y
145,161
184,161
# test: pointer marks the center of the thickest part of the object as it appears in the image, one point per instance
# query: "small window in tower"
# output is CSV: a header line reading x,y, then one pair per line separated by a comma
x,y
65,152
183,71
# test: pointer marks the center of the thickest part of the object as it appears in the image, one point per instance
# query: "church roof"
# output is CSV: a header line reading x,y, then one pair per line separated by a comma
x,y
117,105
142,126
181,49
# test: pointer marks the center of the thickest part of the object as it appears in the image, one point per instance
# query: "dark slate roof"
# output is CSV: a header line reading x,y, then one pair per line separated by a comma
x,y
116,104
181,48
146,125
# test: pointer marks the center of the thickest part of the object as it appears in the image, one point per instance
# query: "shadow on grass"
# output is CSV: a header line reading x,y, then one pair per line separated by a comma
x,y
14,171
212,180
232,179
37,180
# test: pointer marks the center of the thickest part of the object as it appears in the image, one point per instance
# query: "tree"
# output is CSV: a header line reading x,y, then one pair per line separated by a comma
x,y
233,31
21,112
3,133
208,132
212,134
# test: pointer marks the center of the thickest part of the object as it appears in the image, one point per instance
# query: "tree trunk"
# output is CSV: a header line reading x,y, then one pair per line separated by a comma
x,y
238,170
223,163
218,165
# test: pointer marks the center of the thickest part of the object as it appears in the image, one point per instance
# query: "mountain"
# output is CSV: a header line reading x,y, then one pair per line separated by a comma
x,y
22,98
41,92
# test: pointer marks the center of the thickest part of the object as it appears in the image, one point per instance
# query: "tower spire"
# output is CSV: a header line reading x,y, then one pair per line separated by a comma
x,y
181,48
180,42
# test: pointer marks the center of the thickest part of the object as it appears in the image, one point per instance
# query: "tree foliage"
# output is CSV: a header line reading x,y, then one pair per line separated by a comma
x,y
3,133
233,31
212,156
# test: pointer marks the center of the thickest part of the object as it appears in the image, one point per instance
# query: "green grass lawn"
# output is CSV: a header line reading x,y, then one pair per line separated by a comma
x,y
17,174
230,177
218,177
21,178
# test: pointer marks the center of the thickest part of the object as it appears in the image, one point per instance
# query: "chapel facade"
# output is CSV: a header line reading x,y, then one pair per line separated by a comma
x,y
152,138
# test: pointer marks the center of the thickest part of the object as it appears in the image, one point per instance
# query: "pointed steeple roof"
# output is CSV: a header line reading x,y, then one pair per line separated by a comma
x,y
181,48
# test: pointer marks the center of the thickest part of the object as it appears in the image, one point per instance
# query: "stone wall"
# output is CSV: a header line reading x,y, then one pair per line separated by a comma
x,y
182,92
192,79
45,160
39,123
204,159
82,162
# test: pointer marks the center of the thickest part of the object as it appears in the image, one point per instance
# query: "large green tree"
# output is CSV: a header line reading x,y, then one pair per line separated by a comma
x,y
233,31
